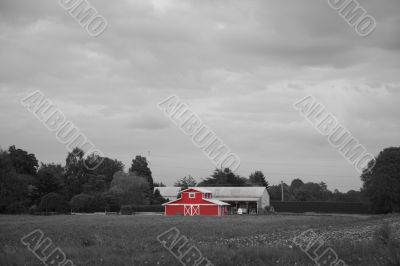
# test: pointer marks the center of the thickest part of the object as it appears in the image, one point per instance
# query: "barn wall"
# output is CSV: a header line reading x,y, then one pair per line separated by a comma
x,y
209,209
186,200
174,209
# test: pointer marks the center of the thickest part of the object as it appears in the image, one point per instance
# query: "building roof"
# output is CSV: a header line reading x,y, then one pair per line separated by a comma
x,y
201,189
226,193
218,202
238,199
168,192
236,192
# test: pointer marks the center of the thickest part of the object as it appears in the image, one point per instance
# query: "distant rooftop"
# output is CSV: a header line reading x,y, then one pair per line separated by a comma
x,y
218,192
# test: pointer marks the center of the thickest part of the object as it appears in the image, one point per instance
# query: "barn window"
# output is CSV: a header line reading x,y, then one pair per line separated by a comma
x,y
191,195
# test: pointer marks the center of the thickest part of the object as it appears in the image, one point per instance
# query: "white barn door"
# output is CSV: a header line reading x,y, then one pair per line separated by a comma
x,y
195,210
191,210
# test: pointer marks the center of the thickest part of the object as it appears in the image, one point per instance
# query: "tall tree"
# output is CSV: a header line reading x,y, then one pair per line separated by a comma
x,y
186,182
75,173
95,183
49,179
141,168
159,184
382,182
23,162
223,178
258,178
157,198
296,184
14,190
312,192
275,192
130,188
108,168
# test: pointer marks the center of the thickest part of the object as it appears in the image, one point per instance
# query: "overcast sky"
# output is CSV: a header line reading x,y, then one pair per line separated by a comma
x,y
240,65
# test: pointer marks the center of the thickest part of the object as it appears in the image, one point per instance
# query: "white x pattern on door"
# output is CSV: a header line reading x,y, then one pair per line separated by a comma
x,y
191,210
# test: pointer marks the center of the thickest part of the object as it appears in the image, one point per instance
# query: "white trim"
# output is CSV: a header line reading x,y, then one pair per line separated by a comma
x,y
217,202
186,210
202,190
191,210
192,195
195,210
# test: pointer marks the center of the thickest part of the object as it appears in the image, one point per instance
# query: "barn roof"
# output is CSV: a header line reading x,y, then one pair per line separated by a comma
x,y
218,202
201,189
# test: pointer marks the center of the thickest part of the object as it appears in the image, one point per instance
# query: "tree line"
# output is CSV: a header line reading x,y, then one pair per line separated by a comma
x,y
27,186
381,185
296,191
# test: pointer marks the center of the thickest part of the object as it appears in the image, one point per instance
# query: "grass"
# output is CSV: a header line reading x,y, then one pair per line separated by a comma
x,y
231,240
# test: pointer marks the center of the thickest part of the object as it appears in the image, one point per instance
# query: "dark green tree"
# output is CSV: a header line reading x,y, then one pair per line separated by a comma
x,y
185,182
223,178
94,184
275,192
82,203
53,202
159,184
382,182
296,184
108,168
312,192
157,198
49,179
131,189
141,168
22,161
14,188
258,178
75,173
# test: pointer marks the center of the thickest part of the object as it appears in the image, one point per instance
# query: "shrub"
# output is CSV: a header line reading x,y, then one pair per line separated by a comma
x,y
321,207
53,202
126,210
98,203
147,208
388,245
82,203
112,201
33,209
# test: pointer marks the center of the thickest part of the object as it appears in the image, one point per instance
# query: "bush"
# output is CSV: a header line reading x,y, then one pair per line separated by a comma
x,y
98,203
33,209
321,207
82,203
126,210
112,201
53,202
388,245
147,208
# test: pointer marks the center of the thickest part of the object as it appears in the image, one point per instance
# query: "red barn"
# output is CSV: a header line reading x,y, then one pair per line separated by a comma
x,y
194,201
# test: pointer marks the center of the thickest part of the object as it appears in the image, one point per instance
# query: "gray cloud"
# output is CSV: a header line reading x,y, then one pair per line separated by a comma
x,y
240,65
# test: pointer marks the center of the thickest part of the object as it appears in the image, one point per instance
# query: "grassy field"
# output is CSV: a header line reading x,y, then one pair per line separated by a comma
x,y
231,240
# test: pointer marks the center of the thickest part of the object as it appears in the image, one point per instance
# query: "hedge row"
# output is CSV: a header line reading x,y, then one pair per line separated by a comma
x,y
321,207
131,209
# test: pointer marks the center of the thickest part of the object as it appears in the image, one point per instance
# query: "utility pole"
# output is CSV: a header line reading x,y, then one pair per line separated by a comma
x,y
282,189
